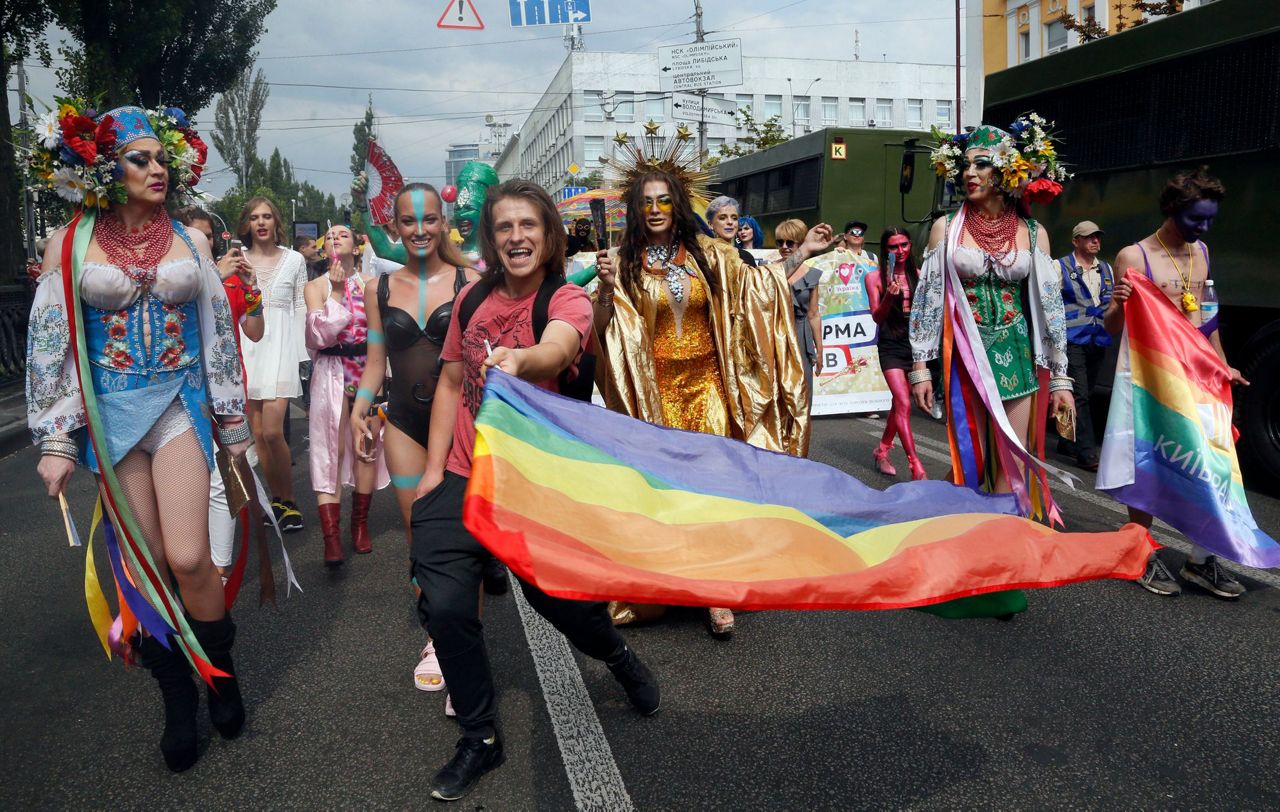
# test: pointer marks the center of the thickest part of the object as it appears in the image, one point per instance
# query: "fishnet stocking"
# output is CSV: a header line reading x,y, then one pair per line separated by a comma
x,y
174,522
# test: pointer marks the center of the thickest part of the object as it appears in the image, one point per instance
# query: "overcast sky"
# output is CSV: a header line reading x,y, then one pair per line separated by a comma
x,y
462,75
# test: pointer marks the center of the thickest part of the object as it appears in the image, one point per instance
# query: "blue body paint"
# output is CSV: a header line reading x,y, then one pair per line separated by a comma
x,y
419,200
406,482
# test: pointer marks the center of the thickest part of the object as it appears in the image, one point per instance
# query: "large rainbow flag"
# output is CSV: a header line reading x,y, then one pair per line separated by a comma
x,y
1169,447
593,505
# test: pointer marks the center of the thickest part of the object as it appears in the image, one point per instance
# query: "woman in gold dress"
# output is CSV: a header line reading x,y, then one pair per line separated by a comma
x,y
694,339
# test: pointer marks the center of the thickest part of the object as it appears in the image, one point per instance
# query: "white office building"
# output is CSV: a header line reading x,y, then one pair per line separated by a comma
x,y
595,95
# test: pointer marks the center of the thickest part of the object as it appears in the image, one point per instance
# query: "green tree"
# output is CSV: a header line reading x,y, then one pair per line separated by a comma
x,y
592,180
21,23
362,131
760,134
176,52
236,119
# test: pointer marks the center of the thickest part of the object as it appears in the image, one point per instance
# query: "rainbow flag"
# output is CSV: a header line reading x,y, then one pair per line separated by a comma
x,y
1169,447
593,505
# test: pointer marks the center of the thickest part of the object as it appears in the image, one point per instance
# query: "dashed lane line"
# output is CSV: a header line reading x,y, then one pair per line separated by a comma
x,y
588,760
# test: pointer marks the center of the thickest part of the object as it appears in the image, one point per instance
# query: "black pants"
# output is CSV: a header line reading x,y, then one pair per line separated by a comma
x,y
1083,363
447,561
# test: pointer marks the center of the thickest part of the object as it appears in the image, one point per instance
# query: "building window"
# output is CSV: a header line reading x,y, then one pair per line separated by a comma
x,y
1055,37
714,145
1024,46
1089,13
884,112
772,106
591,109
654,109
800,110
915,114
942,112
592,149
744,100
830,112
858,112
625,107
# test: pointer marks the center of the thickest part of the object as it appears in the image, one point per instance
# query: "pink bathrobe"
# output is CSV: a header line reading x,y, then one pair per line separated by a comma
x,y
330,376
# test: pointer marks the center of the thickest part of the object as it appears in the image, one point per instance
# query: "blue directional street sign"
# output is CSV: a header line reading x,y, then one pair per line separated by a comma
x,y
569,191
525,13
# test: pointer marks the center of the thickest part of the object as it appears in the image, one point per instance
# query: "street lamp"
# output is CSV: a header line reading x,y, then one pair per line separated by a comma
x,y
296,200
794,105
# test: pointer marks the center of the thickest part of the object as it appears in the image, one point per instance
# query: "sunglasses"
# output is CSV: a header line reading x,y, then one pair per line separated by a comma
x,y
854,232
787,244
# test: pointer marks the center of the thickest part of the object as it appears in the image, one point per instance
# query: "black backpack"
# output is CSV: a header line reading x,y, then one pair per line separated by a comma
x,y
580,387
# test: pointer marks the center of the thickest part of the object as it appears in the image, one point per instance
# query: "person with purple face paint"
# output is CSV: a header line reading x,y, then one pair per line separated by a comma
x,y
1176,259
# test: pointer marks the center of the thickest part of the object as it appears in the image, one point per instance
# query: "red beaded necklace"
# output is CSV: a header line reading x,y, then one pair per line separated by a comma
x,y
998,237
137,253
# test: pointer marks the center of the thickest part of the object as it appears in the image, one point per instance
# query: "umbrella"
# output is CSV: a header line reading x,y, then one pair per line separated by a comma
x,y
580,206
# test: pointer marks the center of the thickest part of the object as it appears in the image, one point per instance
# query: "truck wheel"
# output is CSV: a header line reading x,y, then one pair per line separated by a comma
x,y
1258,417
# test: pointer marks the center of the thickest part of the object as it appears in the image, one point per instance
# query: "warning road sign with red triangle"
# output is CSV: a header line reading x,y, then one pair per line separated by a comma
x,y
460,14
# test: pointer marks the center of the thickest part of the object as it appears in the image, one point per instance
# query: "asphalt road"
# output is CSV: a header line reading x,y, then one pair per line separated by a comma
x,y
1101,695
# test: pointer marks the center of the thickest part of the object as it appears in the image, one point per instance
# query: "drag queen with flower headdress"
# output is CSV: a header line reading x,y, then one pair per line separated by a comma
x,y
693,337
131,372
990,305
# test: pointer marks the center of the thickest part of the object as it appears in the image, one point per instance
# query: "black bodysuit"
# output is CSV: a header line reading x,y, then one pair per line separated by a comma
x,y
414,355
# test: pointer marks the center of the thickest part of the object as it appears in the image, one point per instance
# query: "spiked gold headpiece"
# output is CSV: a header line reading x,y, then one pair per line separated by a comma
x,y
677,155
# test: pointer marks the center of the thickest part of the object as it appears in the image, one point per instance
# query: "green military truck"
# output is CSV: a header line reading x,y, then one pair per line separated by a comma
x,y
1199,87
832,175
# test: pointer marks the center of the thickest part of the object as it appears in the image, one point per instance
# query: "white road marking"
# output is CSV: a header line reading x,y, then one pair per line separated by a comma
x,y
1163,533
588,760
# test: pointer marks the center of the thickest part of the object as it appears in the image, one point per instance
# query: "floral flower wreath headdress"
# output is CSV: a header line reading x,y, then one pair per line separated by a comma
x,y
676,155
1025,157
75,152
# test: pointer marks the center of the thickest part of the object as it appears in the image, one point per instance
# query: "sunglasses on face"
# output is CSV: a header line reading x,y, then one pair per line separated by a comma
x,y
854,232
788,244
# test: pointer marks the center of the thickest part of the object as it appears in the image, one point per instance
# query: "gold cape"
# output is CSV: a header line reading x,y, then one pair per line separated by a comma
x,y
753,321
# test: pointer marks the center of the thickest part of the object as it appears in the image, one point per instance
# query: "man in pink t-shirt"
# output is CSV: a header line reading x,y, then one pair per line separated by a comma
x,y
523,243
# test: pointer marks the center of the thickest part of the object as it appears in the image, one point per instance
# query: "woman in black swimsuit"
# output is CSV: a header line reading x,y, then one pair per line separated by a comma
x,y
407,326
408,320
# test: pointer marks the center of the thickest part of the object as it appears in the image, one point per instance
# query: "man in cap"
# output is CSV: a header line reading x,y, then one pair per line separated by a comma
x,y
1086,291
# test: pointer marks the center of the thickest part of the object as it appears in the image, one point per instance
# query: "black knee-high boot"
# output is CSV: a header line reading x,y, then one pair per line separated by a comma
x,y
172,673
226,709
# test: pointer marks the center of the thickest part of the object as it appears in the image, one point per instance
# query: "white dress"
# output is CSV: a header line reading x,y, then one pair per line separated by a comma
x,y
271,364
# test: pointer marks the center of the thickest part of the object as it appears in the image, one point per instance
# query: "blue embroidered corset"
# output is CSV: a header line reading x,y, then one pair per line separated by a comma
x,y
117,351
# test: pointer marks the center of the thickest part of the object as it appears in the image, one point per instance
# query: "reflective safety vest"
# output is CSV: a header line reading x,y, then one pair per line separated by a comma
x,y
1084,319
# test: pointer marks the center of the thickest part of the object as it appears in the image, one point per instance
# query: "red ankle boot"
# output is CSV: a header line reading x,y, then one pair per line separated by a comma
x,y
331,528
360,522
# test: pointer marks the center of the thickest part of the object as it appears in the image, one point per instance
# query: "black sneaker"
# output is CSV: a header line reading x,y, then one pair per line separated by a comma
x,y
1158,579
495,577
291,519
277,507
474,758
638,681
1211,576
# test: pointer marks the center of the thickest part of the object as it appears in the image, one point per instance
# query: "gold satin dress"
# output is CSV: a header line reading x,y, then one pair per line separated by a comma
x,y
686,364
